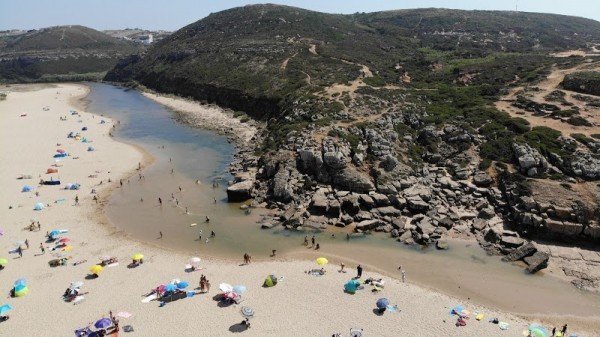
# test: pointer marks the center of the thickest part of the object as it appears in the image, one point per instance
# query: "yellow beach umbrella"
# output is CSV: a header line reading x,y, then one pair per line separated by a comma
x,y
21,290
67,248
322,261
137,257
96,269
3,261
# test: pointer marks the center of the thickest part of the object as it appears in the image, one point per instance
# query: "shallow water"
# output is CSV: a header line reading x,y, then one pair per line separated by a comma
x,y
195,155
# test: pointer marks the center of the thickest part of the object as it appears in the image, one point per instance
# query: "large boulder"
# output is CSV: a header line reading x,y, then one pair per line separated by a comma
x,y
537,261
521,252
368,224
335,160
241,191
319,203
530,161
482,179
351,180
281,189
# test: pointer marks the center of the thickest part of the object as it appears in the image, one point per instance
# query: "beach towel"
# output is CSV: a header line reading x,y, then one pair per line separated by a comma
x,y
503,326
479,317
114,264
123,314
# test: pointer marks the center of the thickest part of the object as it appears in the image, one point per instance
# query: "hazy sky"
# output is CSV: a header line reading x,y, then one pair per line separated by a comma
x,y
174,14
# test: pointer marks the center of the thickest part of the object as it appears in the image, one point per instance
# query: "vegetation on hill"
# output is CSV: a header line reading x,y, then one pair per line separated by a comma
x,y
278,63
60,53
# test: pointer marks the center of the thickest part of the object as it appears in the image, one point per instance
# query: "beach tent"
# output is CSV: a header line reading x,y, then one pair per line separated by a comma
x,y
84,140
52,170
351,286
27,188
270,281
61,155
84,128
38,207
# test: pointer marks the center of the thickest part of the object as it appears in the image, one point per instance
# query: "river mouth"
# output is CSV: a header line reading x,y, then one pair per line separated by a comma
x,y
189,175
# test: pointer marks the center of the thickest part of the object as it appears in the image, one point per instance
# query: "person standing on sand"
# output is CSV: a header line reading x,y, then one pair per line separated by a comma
x,y
305,241
76,199
359,271
564,330
553,331
312,240
160,201
20,251
160,235
27,243
202,284
207,285
246,258
342,268
403,276
42,248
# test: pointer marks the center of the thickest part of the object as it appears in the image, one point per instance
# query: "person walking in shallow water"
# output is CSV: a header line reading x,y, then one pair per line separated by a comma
x,y
160,235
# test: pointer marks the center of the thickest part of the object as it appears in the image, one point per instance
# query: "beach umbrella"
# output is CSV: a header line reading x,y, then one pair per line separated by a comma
x,y
3,261
26,188
103,323
175,281
270,281
20,281
61,151
91,148
5,308
195,260
63,240
182,285
247,311
67,248
240,289
21,290
38,207
170,287
382,303
322,261
351,286
96,269
225,287
538,331
137,257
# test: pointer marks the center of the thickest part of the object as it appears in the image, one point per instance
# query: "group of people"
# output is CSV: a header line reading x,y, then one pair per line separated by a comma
x,y
313,243
247,258
204,284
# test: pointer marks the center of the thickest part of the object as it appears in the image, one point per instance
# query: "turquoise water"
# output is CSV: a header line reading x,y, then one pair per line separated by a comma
x,y
196,155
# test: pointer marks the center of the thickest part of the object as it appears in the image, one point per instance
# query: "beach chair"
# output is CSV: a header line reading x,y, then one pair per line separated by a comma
x,y
355,332
83,332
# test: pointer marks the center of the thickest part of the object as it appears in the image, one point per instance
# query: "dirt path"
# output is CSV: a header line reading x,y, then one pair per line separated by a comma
x,y
545,87
313,49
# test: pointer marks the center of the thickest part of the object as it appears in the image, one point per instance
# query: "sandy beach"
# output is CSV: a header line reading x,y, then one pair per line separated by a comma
x,y
299,305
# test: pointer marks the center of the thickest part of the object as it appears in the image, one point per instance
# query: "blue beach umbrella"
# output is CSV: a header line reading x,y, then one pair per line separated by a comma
x,y
351,286
239,289
38,207
5,308
538,331
26,188
170,287
103,323
382,303
20,281
182,285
